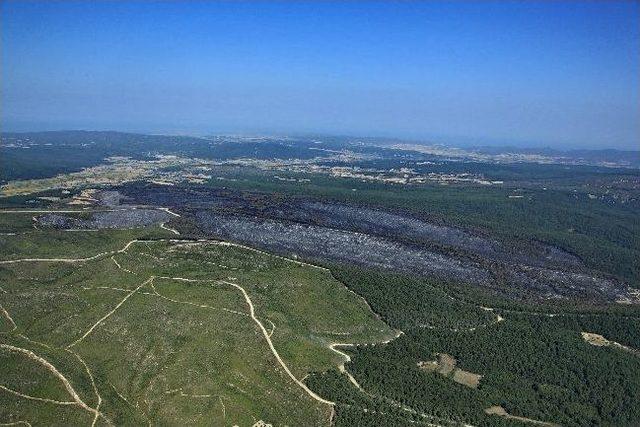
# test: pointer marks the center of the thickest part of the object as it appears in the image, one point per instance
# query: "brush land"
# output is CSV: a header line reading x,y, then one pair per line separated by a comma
x,y
264,281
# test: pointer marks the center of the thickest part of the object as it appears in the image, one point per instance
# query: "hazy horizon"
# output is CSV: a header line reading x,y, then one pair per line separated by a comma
x,y
549,74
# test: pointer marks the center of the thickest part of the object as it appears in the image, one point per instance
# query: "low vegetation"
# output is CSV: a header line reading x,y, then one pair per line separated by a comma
x,y
379,287
162,332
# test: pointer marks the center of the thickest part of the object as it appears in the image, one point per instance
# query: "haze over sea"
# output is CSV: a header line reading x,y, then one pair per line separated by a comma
x,y
560,74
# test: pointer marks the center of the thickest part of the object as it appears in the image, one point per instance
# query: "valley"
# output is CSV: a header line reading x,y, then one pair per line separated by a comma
x,y
153,291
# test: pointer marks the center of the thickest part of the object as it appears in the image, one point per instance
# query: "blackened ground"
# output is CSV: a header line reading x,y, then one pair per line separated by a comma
x,y
361,235
330,244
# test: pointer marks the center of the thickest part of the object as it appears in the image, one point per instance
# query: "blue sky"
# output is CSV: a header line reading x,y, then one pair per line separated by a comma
x,y
560,74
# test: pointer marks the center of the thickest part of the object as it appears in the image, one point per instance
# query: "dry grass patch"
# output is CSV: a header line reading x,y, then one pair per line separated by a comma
x,y
600,341
501,412
446,366
466,378
595,339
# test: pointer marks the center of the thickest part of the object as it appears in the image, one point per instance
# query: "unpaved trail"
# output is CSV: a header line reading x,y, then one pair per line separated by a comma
x,y
74,260
346,358
249,248
273,328
17,423
224,409
111,288
67,385
501,412
181,393
163,226
121,396
26,338
497,320
167,210
18,233
134,241
351,378
159,295
93,385
89,210
70,260
333,346
39,399
391,402
173,230
103,318
121,267
6,314
252,313
265,333
101,254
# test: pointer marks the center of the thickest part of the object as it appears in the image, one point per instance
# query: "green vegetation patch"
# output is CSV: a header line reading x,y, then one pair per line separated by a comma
x,y
162,332
533,364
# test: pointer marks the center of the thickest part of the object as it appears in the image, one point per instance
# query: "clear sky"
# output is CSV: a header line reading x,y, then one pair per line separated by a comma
x,y
560,74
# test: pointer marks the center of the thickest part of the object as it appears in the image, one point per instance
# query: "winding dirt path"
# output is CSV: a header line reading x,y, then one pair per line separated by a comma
x,y
265,333
173,230
6,314
103,318
134,241
93,385
347,359
39,399
259,251
70,260
169,211
159,295
16,423
252,313
67,385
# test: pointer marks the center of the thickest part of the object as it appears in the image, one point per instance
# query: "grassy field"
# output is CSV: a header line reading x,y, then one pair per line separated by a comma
x,y
163,332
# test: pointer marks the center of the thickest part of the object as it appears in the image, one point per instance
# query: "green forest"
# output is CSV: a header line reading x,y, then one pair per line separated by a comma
x,y
533,365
